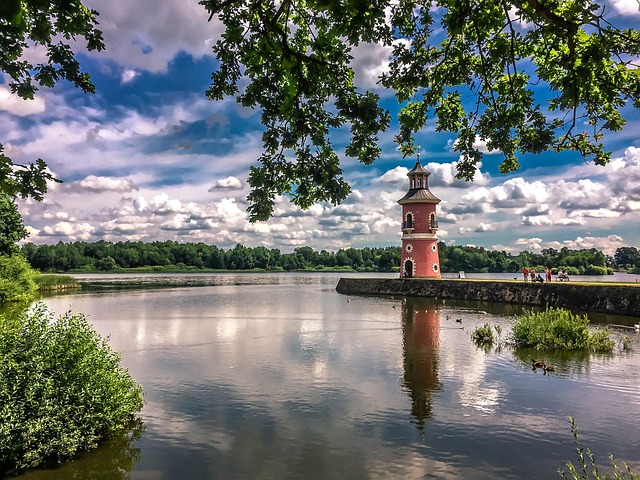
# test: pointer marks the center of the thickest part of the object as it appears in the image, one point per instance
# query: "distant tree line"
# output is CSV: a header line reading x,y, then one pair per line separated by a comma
x,y
575,262
107,256
167,255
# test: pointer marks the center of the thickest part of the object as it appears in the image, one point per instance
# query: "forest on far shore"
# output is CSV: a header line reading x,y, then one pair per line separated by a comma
x,y
174,256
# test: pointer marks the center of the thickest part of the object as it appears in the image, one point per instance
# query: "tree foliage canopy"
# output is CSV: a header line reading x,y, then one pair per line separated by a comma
x,y
52,24
11,226
525,76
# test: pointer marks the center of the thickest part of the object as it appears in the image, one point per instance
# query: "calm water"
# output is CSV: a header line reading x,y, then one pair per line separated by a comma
x,y
279,377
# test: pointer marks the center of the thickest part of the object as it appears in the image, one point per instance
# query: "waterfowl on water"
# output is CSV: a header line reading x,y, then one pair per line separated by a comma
x,y
537,363
459,320
548,367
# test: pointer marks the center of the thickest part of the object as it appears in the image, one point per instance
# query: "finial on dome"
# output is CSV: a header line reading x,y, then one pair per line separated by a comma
x,y
418,153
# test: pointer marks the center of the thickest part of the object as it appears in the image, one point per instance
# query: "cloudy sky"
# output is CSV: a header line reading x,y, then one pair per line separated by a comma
x,y
148,157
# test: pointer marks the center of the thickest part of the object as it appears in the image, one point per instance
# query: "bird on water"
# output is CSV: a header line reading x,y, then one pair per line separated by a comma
x,y
537,363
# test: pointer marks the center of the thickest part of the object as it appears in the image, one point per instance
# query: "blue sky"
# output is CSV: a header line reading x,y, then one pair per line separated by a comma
x,y
148,157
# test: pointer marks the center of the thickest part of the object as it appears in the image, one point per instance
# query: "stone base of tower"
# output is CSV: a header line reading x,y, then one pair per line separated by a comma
x,y
420,258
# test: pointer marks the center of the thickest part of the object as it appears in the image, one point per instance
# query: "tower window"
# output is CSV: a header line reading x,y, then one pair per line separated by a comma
x,y
409,222
433,223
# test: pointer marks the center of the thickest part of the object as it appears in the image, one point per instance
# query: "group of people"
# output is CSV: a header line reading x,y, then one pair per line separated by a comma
x,y
531,275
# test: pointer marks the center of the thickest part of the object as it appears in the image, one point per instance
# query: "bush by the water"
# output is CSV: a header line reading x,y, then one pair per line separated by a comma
x,y
483,335
62,388
558,328
17,279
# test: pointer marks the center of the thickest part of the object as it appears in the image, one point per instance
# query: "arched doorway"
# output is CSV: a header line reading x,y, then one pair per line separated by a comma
x,y
408,269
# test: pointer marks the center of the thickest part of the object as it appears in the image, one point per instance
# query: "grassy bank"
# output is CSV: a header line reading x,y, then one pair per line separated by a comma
x,y
50,282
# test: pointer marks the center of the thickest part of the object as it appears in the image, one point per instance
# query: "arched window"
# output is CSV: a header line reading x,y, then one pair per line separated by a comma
x,y
433,223
409,221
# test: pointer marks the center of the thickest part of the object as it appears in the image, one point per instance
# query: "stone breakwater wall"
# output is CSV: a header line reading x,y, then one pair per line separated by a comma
x,y
614,299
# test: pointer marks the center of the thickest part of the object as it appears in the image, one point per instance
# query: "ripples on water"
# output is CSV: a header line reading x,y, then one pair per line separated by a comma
x,y
278,376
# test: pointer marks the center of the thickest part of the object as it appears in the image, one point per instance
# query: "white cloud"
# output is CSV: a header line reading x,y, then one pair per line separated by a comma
x,y
394,176
535,210
597,213
444,174
161,204
625,174
582,194
128,75
229,183
574,221
12,103
536,221
479,144
121,227
531,244
100,184
140,204
627,7
606,245
228,209
507,248
370,61
485,227
137,40
70,231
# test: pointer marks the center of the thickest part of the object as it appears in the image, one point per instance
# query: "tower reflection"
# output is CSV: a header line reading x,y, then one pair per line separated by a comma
x,y
421,334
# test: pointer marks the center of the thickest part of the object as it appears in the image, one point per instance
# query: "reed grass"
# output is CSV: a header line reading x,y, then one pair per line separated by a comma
x,y
587,467
54,282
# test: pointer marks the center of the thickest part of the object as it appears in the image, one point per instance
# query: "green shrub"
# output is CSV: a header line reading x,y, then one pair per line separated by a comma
x,y
558,328
62,388
626,342
17,279
483,336
601,341
595,270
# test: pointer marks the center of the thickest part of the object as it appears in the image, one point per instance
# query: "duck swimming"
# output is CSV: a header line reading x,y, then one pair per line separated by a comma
x,y
536,363
548,367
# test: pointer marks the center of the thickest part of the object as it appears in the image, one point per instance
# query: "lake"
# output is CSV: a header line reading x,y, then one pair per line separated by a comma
x,y
277,376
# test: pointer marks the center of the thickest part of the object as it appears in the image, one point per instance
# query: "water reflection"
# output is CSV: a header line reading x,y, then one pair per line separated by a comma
x,y
285,378
420,335
114,459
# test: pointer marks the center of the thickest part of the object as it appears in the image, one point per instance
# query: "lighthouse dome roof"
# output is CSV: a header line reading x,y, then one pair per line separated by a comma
x,y
419,195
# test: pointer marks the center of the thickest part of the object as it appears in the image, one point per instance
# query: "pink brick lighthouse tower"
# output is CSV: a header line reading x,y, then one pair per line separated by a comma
x,y
419,226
